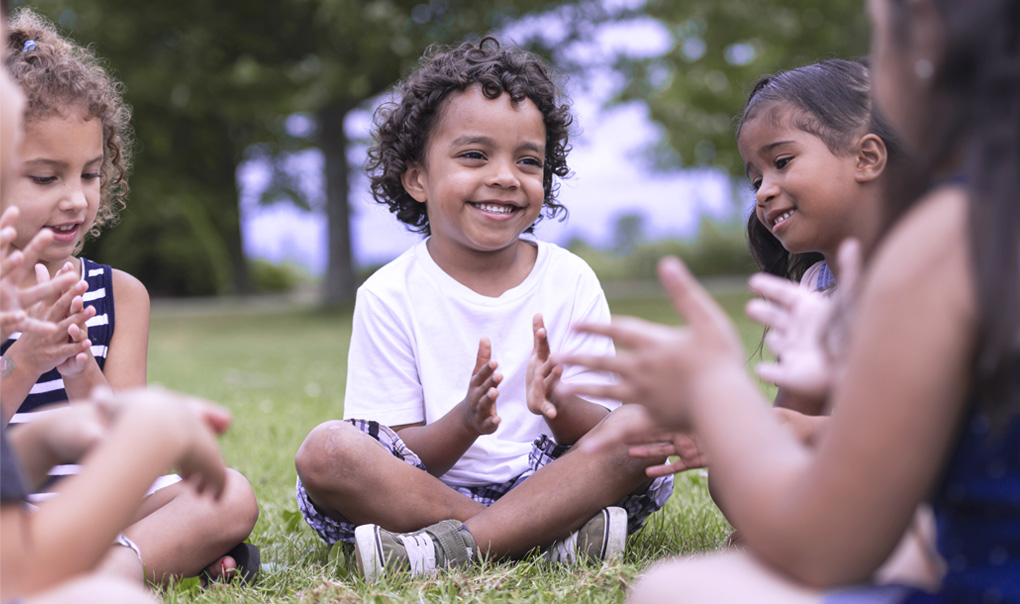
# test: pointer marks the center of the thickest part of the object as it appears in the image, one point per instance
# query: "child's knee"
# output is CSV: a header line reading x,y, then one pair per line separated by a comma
x,y
317,457
239,499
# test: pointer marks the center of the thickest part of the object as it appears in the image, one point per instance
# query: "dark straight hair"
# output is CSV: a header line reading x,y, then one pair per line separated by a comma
x,y
832,100
974,113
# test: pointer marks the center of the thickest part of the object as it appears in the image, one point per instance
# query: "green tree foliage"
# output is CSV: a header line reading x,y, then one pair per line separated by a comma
x,y
208,80
719,49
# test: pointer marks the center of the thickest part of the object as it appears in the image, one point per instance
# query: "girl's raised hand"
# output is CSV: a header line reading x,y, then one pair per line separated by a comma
x,y
190,423
663,367
78,333
39,352
800,324
14,267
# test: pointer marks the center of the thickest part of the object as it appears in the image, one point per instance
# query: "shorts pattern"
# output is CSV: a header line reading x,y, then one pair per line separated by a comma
x,y
543,452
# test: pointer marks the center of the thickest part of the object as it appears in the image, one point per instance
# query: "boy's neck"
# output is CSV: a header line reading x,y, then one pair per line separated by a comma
x,y
487,273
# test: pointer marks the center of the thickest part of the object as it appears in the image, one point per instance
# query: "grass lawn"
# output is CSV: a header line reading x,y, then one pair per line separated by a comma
x,y
282,373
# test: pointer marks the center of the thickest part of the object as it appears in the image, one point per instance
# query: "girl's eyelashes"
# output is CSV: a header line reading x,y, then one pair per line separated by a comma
x,y
782,162
43,180
472,155
91,176
532,161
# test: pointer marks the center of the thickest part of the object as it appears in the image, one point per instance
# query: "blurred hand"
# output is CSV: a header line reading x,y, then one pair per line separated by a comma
x,y
666,368
799,322
191,422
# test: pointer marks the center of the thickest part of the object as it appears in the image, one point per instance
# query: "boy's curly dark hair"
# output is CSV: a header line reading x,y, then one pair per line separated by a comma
x,y
56,75
402,126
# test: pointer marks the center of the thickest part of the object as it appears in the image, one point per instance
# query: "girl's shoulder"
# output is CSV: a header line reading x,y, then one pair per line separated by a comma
x,y
930,243
129,290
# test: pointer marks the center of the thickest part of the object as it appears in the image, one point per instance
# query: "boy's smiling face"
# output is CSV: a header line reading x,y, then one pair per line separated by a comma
x,y
482,181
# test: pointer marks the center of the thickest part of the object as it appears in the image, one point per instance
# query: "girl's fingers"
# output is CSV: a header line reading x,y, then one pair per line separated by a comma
x,y
766,313
770,372
619,392
781,291
596,362
49,289
654,450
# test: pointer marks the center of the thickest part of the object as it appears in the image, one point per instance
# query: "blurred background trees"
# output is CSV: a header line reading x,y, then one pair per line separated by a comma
x,y
213,82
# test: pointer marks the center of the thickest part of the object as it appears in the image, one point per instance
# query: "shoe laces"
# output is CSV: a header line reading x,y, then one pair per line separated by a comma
x,y
421,552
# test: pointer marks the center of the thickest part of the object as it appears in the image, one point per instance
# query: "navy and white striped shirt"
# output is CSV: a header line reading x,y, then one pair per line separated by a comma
x,y
49,388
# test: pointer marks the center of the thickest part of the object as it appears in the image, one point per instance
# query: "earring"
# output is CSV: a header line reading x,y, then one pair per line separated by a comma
x,y
924,69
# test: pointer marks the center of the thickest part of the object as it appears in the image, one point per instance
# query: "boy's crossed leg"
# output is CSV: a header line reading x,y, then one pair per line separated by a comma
x,y
344,481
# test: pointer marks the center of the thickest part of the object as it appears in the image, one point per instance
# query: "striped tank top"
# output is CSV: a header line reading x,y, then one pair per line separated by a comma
x,y
49,388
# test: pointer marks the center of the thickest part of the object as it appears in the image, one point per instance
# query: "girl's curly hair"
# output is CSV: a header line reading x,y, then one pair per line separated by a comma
x,y
57,75
402,126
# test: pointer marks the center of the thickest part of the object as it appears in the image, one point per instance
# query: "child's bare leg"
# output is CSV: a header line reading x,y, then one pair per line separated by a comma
x,y
726,577
94,590
184,532
347,474
560,497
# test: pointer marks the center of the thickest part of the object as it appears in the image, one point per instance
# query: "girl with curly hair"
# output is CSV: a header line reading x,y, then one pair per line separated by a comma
x,y
71,181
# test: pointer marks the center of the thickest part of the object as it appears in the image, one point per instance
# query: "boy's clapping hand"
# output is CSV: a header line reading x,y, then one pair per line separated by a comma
x,y
543,374
480,407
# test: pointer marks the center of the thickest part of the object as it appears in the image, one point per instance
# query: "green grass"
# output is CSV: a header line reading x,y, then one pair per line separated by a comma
x,y
282,373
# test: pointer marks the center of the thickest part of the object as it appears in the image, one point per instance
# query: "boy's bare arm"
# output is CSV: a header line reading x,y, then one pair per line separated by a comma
x,y
442,443
153,431
569,417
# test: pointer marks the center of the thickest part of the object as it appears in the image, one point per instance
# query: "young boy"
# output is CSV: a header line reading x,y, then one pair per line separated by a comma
x,y
449,370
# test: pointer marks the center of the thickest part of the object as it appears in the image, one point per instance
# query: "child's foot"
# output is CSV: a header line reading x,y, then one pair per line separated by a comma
x,y
601,538
443,545
243,561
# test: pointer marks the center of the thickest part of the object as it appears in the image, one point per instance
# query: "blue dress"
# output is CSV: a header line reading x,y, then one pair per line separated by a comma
x,y
977,513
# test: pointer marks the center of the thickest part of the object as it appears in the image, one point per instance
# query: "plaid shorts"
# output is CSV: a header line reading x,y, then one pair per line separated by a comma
x,y
543,451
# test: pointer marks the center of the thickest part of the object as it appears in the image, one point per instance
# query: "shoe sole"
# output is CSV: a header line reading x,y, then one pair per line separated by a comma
x,y
367,551
615,539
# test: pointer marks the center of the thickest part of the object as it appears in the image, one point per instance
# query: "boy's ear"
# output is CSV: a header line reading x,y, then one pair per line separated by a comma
x,y
414,182
872,157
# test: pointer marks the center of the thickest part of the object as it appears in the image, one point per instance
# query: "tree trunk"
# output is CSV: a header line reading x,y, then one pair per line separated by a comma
x,y
339,284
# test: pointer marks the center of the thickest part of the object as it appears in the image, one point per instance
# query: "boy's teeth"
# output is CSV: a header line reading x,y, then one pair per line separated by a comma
x,y
497,209
64,229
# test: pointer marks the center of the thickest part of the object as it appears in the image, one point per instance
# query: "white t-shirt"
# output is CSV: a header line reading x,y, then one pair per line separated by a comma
x,y
415,342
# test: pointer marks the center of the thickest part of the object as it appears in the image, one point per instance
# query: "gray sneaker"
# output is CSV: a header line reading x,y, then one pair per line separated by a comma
x,y
443,545
602,538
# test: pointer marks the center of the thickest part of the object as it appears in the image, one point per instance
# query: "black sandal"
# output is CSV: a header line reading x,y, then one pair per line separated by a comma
x,y
248,561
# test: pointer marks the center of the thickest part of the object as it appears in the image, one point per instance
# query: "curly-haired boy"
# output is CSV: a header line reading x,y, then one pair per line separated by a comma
x,y
468,154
